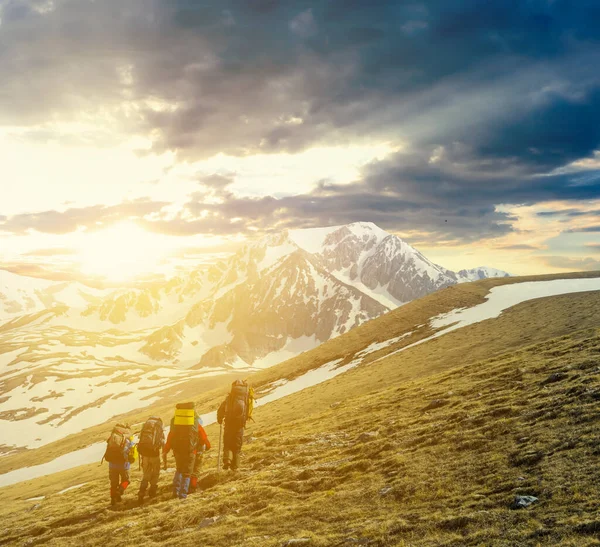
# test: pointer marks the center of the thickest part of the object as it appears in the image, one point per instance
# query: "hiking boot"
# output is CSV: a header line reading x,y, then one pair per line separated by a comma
x,y
141,497
118,497
113,501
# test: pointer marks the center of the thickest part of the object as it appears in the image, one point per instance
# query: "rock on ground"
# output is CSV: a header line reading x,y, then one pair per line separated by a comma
x,y
520,502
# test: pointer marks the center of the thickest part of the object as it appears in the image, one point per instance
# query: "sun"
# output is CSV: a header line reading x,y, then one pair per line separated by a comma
x,y
122,252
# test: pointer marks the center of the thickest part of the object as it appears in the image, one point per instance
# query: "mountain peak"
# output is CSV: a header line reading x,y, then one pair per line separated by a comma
x,y
481,272
313,240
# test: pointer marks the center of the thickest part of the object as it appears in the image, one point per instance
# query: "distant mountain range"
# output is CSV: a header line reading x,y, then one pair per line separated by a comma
x,y
273,299
71,356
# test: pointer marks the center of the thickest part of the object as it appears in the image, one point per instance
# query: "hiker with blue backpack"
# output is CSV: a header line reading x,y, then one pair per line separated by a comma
x,y
120,453
150,445
188,440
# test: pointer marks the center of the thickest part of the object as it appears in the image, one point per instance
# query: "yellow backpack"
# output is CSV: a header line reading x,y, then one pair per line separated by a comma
x,y
250,402
133,452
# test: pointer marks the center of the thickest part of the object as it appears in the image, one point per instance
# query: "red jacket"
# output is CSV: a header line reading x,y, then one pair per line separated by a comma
x,y
202,440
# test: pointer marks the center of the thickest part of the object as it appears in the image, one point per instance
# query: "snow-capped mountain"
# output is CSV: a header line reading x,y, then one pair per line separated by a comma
x,y
20,295
283,294
483,272
71,356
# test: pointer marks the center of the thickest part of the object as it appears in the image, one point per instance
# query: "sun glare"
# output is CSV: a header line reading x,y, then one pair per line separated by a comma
x,y
122,252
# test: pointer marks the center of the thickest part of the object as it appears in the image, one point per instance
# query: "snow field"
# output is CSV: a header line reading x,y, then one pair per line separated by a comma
x,y
507,296
500,299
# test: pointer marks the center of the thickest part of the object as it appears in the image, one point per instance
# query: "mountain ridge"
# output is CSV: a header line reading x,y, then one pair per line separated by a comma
x,y
269,302
357,257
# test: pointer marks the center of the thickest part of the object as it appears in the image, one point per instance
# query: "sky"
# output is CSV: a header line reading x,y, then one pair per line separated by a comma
x,y
148,136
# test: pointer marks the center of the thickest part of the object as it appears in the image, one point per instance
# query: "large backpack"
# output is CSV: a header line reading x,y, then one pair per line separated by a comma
x,y
115,445
151,437
240,402
184,428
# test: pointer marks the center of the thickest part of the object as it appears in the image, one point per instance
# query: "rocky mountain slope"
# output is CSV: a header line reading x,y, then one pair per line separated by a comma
x,y
432,435
274,298
71,356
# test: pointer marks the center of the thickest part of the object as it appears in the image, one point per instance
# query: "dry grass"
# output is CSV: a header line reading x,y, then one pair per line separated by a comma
x,y
460,426
432,474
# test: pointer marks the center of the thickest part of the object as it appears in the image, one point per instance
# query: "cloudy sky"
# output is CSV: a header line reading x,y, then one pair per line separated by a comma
x,y
163,132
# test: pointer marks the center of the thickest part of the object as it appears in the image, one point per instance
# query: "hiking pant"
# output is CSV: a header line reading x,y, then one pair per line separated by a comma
x,y
232,445
119,481
184,462
151,470
197,467
231,459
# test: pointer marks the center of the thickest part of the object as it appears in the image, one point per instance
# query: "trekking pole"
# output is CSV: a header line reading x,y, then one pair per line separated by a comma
x,y
219,453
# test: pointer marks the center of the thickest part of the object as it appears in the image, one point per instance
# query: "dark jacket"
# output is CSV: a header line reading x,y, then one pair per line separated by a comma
x,y
233,435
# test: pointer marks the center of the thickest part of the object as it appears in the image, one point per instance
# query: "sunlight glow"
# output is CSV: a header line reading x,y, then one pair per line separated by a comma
x,y
122,252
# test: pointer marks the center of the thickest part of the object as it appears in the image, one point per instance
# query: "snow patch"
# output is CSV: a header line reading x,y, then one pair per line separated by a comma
x,y
507,296
312,239
376,346
500,299
90,454
274,254
75,487
292,348
308,379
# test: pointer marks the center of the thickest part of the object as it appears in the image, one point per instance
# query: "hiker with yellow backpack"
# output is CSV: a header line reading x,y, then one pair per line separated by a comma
x,y
120,453
188,440
234,412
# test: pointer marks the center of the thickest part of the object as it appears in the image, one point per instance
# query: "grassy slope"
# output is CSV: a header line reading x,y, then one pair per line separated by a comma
x,y
501,429
210,392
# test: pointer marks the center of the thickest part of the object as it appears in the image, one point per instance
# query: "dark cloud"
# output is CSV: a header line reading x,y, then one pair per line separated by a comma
x,y
564,212
457,175
586,229
514,80
573,264
330,205
448,193
490,99
92,218
438,196
571,213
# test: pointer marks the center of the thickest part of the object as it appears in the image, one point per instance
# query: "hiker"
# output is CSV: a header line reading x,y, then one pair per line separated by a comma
x,y
120,453
152,440
235,411
188,440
